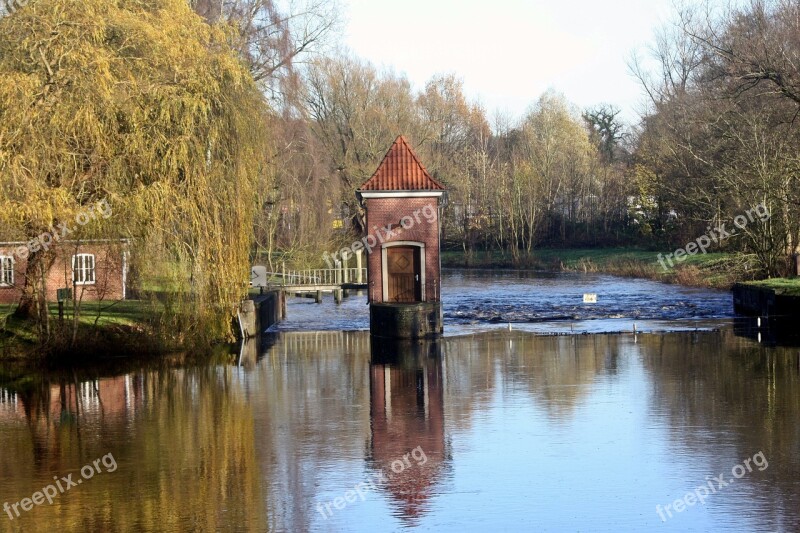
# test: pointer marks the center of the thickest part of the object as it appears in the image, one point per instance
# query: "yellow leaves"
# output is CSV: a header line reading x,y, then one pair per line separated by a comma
x,y
558,141
143,102
647,181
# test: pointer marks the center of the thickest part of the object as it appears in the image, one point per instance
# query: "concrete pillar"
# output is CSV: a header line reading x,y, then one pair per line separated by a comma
x,y
318,298
337,295
359,276
338,280
345,263
247,319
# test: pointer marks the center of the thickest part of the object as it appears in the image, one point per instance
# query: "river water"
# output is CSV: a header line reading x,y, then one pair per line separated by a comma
x,y
545,303
489,430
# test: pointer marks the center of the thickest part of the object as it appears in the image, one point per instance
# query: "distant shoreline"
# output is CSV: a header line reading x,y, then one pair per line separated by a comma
x,y
713,270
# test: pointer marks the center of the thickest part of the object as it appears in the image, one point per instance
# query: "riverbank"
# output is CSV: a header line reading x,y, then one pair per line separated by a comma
x,y
127,328
781,286
107,329
777,300
712,270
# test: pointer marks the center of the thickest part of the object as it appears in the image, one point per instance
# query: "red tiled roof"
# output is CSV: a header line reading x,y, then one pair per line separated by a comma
x,y
401,170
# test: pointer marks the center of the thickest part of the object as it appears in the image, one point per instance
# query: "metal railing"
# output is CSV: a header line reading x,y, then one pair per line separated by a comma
x,y
7,396
320,276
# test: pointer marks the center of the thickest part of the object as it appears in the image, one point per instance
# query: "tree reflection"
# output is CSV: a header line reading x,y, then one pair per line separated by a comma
x,y
558,372
255,447
725,398
183,440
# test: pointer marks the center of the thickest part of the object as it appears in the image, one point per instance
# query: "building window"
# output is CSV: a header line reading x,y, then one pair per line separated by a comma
x,y
83,272
6,271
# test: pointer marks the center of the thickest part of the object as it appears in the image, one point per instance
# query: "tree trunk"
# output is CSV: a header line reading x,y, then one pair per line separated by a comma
x,y
33,302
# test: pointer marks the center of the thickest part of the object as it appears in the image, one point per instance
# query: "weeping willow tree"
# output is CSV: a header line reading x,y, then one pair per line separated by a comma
x,y
145,105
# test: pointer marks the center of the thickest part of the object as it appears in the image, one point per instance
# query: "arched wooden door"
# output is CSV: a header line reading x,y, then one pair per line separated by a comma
x,y
404,271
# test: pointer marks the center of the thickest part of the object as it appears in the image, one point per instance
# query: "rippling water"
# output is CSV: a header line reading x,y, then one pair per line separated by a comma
x,y
482,300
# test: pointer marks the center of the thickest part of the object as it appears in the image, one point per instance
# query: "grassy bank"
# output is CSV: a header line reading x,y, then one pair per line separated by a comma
x,y
104,328
790,287
154,326
714,270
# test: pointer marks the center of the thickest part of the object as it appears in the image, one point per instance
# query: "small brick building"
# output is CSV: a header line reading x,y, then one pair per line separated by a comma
x,y
94,270
402,203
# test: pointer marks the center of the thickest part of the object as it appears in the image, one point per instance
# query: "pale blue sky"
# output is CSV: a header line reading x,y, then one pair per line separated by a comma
x,y
508,52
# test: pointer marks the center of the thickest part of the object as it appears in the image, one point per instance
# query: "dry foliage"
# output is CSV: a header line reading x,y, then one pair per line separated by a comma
x,y
146,105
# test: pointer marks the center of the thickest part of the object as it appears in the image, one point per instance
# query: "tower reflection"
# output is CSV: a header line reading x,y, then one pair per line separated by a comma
x,y
407,382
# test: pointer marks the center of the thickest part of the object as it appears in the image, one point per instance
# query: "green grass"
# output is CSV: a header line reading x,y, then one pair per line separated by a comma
x,y
127,313
13,328
606,256
572,259
119,313
106,325
719,270
789,286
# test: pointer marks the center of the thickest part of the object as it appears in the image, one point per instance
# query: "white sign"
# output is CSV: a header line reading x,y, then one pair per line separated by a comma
x,y
590,298
258,276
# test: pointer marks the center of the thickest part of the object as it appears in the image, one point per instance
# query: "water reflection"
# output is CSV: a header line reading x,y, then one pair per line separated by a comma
x,y
722,400
182,439
56,413
519,432
407,413
771,331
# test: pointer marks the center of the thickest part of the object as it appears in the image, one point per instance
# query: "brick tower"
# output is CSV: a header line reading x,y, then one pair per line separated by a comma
x,y
403,203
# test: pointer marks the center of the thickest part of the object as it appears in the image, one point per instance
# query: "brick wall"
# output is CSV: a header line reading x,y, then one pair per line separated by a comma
x,y
109,277
384,211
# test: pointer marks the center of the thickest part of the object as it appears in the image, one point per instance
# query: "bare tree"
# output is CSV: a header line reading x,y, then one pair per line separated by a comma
x,y
723,139
356,112
754,47
274,36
